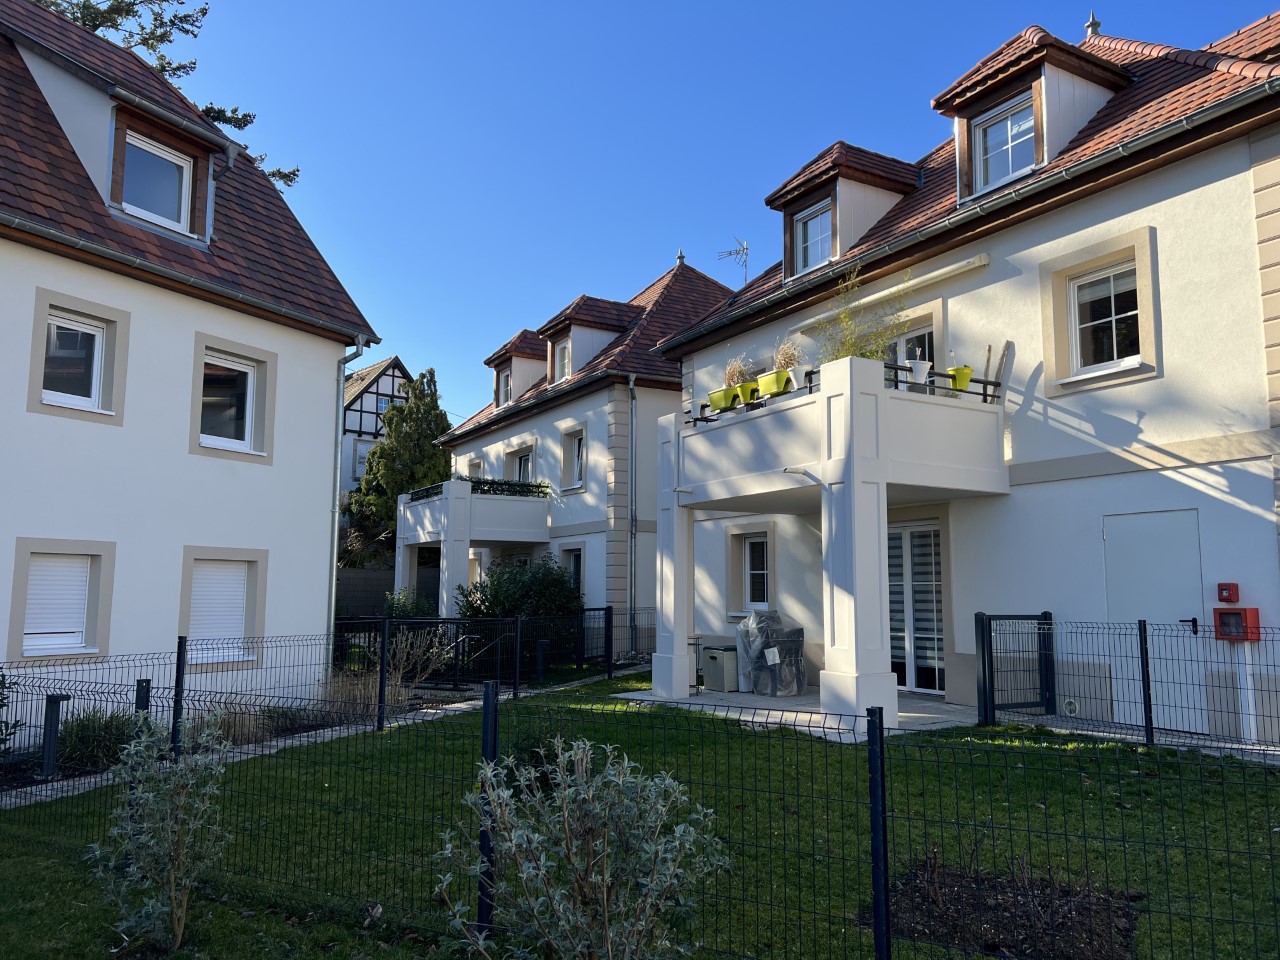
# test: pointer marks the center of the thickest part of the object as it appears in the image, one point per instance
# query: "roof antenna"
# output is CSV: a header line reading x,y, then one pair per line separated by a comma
x,y
1094,26
739,254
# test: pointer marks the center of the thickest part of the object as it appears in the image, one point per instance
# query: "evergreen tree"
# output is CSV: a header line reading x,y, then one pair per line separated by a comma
x,y
148,27
405,459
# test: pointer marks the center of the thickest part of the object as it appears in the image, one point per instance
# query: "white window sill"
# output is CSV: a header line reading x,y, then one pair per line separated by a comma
x,y
210,443
817,266
215,658
576,488
55,400
58,651
143,214
1101,371
1000,184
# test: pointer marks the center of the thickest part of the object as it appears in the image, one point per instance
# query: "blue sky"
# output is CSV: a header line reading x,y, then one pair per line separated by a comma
x,y
468,169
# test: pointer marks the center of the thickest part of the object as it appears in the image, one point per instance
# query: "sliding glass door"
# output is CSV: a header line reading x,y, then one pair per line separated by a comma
x,y
915,606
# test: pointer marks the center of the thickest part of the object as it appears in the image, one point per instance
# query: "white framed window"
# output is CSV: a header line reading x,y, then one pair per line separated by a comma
x,y
579,442
755,572
383,403
524,467
573,458
73,358
57,604
226,405
913,345
219,601
157,183
474,467
1105,331
360,455
504,388
812,236
1004,143
561,361
571,560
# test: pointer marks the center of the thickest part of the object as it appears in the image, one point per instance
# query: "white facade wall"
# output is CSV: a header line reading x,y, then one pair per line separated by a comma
x,y
137,485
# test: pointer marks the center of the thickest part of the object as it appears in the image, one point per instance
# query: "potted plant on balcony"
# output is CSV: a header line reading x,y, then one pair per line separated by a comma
x,y
961,373
919,369
735,372
785,375
738,376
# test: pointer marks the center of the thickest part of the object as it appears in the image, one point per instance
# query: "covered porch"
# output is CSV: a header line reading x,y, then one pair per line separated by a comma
x,y
819,472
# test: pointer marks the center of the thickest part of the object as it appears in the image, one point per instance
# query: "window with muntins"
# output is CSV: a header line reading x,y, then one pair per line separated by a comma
x,y
755,568
813,236
157,183
57,604
73,359
1004,143
504,388
562,361
226,410
1105,319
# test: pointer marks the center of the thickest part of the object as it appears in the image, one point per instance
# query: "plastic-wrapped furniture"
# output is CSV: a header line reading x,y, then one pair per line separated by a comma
x,y
771,655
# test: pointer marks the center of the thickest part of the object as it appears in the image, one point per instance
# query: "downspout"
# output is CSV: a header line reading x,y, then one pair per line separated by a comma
x,y
632,525
361,340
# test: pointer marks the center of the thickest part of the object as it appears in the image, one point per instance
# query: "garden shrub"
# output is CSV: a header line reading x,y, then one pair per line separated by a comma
x,y
592,858
7,727
406,604
165,831
512,588
93,739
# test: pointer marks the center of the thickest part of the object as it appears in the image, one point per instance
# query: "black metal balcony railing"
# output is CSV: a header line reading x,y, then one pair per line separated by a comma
x,y
487,486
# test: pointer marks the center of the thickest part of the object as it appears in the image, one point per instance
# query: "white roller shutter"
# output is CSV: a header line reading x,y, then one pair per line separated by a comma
x,y
57,603
216,626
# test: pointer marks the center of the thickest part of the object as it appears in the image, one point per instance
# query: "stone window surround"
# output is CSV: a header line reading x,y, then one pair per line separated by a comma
x,y
266,366
255,602
115,357
102,570
735,536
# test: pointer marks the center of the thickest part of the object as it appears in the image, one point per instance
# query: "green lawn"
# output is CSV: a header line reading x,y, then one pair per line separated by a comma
x,y
354,822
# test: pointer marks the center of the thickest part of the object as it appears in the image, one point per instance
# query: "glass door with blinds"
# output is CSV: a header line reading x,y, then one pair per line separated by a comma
x,y
915,606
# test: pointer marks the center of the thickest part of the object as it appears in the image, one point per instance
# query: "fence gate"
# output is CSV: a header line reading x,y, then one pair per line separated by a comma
x,y
1015,664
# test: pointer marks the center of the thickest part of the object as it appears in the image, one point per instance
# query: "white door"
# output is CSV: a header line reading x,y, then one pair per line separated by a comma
x,y
216,624
915,606
1153,573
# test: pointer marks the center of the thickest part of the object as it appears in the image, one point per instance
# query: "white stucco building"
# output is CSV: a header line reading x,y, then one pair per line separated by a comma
x,y
560,461
1106,209
171,413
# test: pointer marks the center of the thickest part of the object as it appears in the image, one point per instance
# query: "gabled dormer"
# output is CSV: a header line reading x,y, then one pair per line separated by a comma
x,y
151,155
1020,107
580,331
517,365
835,199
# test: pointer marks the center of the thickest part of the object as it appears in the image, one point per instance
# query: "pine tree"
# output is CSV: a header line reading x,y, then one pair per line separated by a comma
x,y
405,459
148,27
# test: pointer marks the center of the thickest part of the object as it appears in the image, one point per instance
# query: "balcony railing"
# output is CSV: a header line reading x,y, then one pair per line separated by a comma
x,y
487,486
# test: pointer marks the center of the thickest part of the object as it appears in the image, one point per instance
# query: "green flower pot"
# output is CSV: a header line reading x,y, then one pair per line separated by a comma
x,y
722,400
749,392
775,383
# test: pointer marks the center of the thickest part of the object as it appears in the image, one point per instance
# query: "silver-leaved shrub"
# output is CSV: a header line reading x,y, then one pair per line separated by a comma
x,y
165,832
592,858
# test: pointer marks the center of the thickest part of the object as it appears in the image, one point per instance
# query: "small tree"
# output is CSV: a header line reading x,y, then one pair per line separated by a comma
x,y
512,588
165,832
592,858
858,331
404,459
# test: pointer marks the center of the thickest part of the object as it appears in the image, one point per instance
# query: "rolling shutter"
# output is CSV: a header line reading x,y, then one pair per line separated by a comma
x,y
216,625
57,603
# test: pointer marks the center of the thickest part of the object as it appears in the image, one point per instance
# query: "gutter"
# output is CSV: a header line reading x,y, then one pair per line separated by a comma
x,y
978,209
197,130
107,253
337,482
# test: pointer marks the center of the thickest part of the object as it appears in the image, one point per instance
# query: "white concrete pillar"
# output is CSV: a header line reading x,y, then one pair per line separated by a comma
x,y
855,592
455,544
673,667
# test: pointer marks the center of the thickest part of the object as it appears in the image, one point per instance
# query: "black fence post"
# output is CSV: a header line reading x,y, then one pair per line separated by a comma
x,y
52,720
515,683
986,671
581,654
1148,714
142,695
540,655
608,642
179,682
489,753
881,932
383,653
1048,667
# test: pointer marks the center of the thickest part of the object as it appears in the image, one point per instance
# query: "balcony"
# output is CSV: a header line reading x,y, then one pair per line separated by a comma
x,y
927,441
475,509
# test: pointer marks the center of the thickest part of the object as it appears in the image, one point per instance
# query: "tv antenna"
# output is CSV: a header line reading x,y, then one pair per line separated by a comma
x,y
739,254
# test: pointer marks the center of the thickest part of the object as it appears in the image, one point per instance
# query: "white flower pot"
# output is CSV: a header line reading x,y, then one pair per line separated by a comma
x,y
920,370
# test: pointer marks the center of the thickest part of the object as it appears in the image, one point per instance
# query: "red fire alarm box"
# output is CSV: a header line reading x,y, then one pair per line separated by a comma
x,y
1237,624
1228,593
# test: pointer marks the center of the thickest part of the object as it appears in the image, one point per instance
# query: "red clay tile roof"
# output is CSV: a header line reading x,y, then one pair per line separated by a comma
x,y
258,249
1168,84
525,344
843,160
356,381
673,301
592,312
1015,55
1257,40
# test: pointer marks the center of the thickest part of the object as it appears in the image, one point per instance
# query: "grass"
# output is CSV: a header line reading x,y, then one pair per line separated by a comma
x,y
354,822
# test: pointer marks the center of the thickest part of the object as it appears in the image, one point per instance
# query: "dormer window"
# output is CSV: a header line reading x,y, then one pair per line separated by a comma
x,y
813,236
1004,142
157,183
504,388
561,361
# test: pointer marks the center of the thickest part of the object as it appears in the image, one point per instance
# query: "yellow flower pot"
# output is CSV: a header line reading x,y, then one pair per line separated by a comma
x,y
775,382
722,400
962,376
748,392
